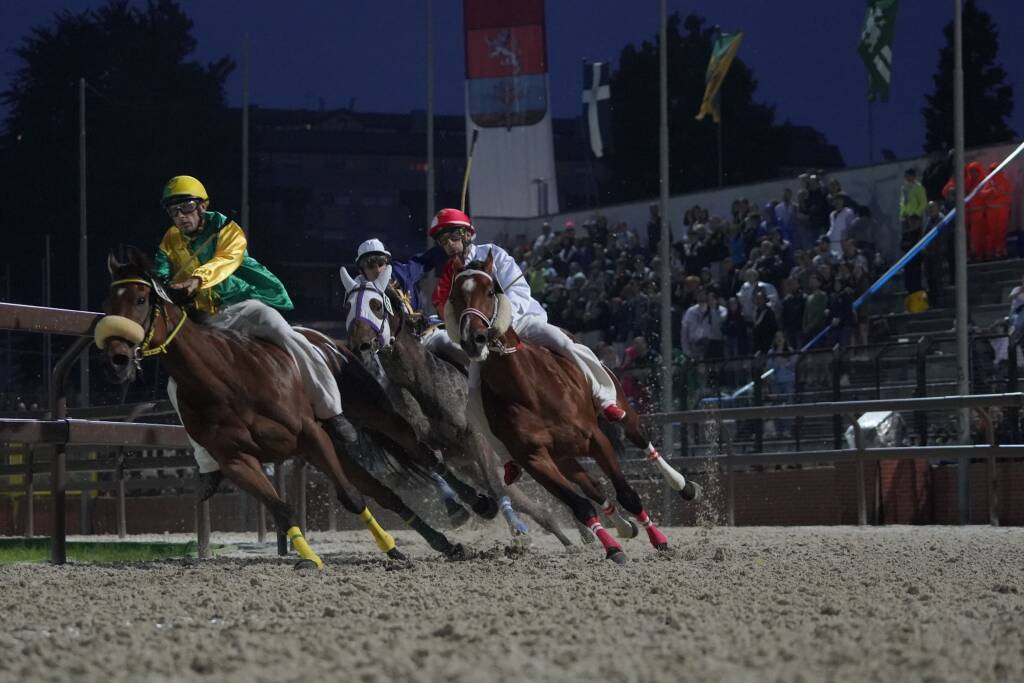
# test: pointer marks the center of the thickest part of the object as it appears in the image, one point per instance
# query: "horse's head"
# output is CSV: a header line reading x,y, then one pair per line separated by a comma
x,y
131,306
477,313
368,315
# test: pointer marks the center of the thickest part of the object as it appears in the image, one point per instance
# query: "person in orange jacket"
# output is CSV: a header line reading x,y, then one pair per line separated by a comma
x,y
996,198
977,227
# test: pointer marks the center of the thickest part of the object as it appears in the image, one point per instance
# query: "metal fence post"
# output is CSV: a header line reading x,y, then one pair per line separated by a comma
x,y
837,420
921,390
59,469
282,540
30,494
1012,414
757,364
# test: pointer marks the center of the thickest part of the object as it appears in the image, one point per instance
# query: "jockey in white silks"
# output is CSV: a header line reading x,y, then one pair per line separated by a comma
x,y
454,232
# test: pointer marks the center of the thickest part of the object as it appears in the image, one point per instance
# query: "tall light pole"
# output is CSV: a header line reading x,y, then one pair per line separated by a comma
x,y
83,241
664,248
245,137
963,384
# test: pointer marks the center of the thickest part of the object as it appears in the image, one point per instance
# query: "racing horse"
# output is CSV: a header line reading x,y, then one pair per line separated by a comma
x,y
241,398
431,393
540,407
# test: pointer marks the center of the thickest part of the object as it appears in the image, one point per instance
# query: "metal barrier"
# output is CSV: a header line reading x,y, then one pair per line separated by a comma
x,y
851,410
60,431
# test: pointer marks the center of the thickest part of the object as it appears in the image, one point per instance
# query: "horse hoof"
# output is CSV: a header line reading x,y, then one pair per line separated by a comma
x,y
457,515
396,554
457,552
691,491
632,532
661,547
485,506
616,555
306,566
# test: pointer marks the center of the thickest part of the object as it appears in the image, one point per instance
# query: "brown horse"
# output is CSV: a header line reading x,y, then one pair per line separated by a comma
x,y
239,397
540,406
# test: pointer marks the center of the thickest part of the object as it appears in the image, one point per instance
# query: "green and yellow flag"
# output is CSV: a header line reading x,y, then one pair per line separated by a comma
x,y
876,46
722,54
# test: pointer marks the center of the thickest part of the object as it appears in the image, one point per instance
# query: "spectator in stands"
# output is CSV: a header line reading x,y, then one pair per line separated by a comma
x,y
815,309
844,318
913,202
576,279
792,313
786,218
863,230
936,253
815,206
606,354
734,330
801,272
701,335
823,255
769,266
729,282
839,223
852,256
654,228
765,324
938,170
782,381
751,285
637,356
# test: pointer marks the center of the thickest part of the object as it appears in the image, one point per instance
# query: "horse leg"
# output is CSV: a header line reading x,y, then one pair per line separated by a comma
x,y
399,433
245,472
321,452
457,514
576,473
544,471
626,495
390,500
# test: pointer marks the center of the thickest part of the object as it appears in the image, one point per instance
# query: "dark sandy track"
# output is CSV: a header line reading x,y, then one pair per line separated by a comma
x,y
895,603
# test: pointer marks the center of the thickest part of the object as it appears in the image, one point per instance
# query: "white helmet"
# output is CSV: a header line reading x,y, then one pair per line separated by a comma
x,y
371,246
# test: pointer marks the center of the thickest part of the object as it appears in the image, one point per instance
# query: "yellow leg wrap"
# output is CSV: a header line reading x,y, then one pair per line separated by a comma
x,y
383,539
302,548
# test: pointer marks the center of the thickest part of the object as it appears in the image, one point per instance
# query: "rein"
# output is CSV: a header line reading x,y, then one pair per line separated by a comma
x,y
495,344
156,311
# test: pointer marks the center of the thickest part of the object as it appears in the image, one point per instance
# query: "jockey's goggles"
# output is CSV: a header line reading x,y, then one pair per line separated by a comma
x,y
456,234
184,208
373,261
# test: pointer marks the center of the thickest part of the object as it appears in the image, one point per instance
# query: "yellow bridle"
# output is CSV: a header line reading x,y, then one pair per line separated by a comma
x,y
113,325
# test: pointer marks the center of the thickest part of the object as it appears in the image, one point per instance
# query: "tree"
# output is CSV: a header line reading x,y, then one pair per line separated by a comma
x,y
754,148
988,99
150,114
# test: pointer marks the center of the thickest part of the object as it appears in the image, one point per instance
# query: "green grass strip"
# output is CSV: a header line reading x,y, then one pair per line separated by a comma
x,y
38,550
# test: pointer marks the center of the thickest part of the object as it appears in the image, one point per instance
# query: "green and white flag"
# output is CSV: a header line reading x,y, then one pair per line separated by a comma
x,y
876,46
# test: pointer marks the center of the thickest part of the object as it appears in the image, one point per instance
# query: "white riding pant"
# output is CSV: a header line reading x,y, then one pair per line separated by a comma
x,y
257,319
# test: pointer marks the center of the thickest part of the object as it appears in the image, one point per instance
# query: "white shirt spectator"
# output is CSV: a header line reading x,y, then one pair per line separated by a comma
x,y
746,298
839,225
701,324
544,240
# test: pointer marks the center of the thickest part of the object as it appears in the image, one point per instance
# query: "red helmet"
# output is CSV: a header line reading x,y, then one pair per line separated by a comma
x,y
447,219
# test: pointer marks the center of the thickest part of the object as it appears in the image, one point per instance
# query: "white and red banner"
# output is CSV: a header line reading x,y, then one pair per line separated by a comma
x,y
507,100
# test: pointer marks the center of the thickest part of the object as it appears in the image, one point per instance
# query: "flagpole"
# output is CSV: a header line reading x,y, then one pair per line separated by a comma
x,y
83,242
871,131
430,114
719,126
963,357
664,246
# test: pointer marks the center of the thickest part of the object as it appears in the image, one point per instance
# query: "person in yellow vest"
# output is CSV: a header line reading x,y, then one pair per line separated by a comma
x,y
203,254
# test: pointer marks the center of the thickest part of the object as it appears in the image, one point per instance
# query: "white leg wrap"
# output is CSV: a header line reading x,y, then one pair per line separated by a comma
x,y
673,478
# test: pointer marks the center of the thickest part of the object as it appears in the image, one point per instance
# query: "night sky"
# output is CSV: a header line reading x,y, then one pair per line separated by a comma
x,y
371,55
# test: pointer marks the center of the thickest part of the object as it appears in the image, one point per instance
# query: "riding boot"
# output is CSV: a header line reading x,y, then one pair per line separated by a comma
x,y
209,482
342,433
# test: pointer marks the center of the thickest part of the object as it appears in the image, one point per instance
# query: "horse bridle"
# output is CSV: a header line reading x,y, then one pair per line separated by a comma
x,y
495,343
378,329
143,349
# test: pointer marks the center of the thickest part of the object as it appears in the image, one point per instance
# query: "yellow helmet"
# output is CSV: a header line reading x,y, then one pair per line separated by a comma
x,y
182,187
